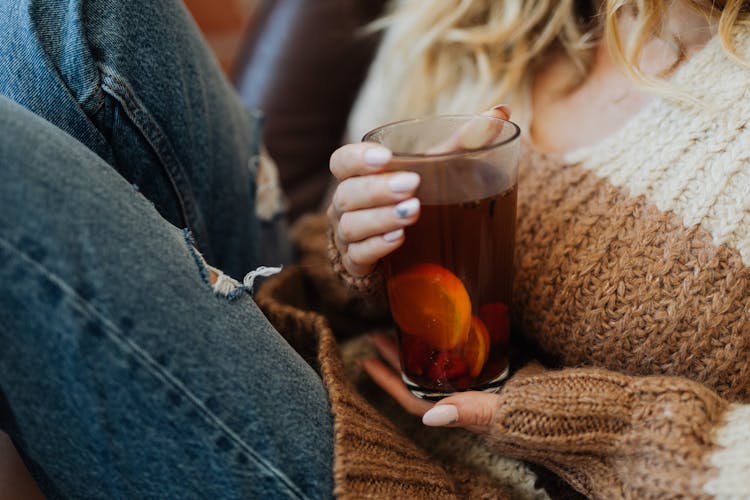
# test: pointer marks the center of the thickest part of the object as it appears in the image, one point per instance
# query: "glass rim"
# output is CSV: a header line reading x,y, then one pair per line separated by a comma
x,y
426,156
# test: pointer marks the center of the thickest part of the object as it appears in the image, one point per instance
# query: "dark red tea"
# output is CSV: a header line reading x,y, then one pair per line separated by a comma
x,y
450,285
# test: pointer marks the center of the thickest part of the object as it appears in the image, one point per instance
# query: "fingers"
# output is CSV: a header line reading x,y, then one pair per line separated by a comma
x,y
479,133
369,191
500,111
360,257
358,159
391,383
362,224
364,232
365,158
370,209
476,133
387,348
474,411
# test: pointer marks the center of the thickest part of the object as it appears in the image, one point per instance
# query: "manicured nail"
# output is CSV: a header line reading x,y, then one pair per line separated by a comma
x,y
393,235
478,133
407,208
403,182
502,108
377,156
440,415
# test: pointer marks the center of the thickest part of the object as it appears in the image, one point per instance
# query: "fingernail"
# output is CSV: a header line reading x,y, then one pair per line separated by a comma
x,y
502,108
393,235
440,415
403,182
478,133
407,208
377,156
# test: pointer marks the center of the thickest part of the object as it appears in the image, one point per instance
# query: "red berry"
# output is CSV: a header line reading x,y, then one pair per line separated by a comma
x,y
496,318
415,355
446,366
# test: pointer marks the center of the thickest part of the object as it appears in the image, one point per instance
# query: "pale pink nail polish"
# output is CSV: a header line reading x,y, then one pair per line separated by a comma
x,y
377,156
440,415
407,208
393,235
502,108
403,182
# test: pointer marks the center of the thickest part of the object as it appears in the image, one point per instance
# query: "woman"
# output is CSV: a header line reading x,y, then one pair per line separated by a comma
x,y
633,239
129,367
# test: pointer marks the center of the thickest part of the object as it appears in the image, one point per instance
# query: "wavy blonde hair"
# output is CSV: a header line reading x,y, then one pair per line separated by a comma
x,y
467,55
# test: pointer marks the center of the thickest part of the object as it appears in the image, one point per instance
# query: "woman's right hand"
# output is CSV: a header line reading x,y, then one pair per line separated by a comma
x,y
370,207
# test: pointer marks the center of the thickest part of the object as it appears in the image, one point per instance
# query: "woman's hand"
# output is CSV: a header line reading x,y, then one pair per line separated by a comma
x,y
598,429
370,207
474,411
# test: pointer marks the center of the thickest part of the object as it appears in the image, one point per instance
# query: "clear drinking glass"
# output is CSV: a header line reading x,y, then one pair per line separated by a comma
x,y
450,284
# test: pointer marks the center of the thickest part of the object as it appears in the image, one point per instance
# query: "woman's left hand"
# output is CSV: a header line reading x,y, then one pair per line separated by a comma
x,y
474,411
597,428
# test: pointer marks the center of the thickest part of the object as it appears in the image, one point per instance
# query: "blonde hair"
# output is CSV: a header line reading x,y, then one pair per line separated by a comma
x,y
450,56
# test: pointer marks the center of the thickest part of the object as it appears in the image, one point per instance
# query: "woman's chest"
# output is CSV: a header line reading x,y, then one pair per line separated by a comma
x,y
607,279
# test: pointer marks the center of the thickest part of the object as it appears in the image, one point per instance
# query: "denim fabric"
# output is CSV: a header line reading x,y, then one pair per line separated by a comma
x,y
134,82
122,374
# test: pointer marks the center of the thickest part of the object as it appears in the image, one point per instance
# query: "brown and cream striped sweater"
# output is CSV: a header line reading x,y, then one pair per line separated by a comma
x,y
635,257
633,270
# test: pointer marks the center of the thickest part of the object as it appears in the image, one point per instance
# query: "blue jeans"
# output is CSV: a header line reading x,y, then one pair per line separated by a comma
x,y
122,375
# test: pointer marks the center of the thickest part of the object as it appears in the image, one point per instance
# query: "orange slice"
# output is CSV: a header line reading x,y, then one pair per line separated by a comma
x,y
430,302
477,347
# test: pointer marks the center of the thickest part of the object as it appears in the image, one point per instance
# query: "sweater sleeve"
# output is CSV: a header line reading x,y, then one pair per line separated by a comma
x,y
615,436
370,289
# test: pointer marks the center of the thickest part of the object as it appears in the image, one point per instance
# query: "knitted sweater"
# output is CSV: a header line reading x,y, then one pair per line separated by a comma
x,y
633,266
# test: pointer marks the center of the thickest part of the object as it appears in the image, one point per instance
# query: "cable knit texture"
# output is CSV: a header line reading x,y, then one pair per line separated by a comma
x,y
625,286
632,266
632,251
610,435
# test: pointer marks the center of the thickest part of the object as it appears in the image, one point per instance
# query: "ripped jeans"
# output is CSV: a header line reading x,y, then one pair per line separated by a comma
x,y
122,373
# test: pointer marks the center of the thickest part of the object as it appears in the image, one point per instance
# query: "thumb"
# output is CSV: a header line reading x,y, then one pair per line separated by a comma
x,y
474,411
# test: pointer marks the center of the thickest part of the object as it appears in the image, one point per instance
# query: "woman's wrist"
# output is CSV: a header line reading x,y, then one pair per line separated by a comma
x,y
368,285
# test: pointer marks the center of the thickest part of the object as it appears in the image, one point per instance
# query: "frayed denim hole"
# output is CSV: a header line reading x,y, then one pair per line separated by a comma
x,y
200,262
226,286
236,293
219,288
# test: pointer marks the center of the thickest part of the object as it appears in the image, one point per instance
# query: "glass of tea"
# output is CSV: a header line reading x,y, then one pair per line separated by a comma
x,y
450,283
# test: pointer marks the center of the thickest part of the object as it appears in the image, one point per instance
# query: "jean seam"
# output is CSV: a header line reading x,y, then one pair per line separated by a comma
x,y
157,370
198,259
114,85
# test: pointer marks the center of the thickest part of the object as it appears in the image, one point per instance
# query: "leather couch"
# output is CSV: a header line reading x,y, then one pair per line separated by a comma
x,y
302,64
